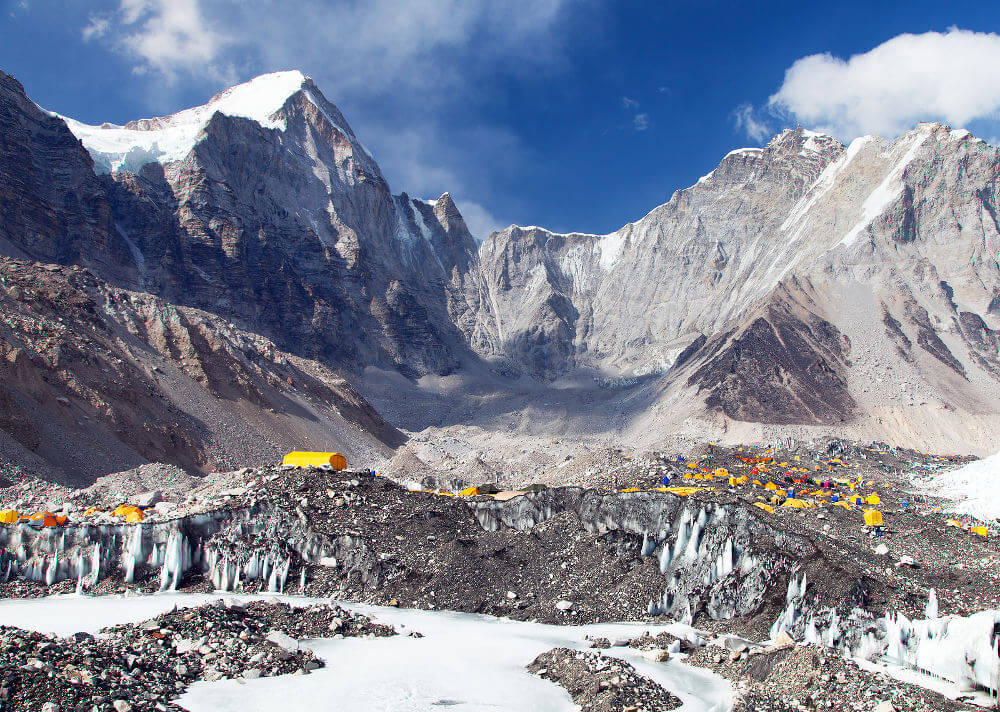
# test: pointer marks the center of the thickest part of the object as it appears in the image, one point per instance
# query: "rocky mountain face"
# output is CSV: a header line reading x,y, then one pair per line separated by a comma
x,y
96,379
262,207
53,207
806,284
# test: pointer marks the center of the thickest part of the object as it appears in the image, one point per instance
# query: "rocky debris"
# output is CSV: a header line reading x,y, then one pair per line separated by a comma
x,y
366,538
257,619
599,683
792,678
143,666
662,642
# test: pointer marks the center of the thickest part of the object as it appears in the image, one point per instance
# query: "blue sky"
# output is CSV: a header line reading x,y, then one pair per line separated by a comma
x,y
571,115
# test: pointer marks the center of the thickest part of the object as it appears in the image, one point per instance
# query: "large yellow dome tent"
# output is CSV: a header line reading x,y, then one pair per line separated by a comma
x,y
325,460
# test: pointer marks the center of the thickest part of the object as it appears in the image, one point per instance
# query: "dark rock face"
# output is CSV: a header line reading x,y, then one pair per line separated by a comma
x,y
984,340
928,339
52,206
784,367
895,332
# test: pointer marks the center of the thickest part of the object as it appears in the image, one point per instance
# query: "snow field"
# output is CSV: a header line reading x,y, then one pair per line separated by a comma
x,y
465,662
973,488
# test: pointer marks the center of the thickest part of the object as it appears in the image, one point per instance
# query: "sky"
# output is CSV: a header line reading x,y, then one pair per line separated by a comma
x,y
576,115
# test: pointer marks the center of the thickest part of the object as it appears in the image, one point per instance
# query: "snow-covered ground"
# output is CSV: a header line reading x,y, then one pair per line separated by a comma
x,y
973,488
464,662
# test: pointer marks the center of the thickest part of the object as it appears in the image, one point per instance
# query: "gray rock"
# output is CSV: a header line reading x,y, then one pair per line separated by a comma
x,y
148,499
283,641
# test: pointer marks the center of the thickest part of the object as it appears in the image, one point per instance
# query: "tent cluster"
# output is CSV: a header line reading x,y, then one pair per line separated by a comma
x,y
787,484
975,529
488,489
129,513
36,519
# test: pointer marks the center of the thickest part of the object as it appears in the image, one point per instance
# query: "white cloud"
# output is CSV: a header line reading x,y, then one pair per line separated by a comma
x,y
400,69
629,103
746,119
935,76
168,36
641,122
98,26
481,221
376,45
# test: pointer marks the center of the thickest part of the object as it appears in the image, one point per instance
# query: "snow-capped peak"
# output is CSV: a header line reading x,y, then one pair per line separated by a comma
x,y
170,138
258,99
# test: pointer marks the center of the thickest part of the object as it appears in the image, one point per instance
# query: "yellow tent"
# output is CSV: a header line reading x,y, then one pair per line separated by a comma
x,y
721,472
770,486
9,516
796,503
682,491
845,505
981,531
127,511
326,460
873,517
692,465
765,507
954,523
469,491
873,499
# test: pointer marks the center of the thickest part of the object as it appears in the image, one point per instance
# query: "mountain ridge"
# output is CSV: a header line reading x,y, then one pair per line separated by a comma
x,y
803,284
